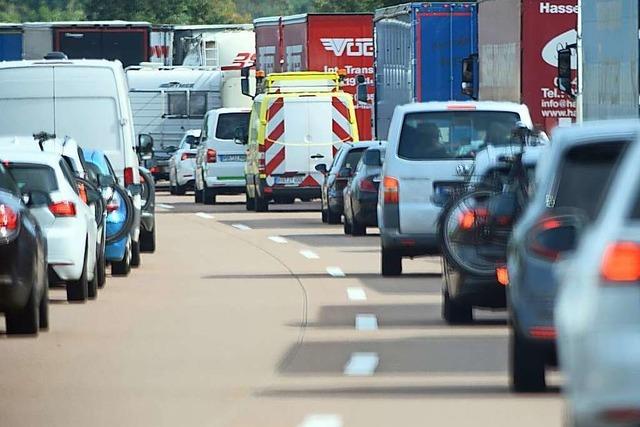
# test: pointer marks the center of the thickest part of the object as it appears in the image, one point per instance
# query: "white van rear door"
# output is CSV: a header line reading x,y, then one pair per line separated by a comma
x,y
26,100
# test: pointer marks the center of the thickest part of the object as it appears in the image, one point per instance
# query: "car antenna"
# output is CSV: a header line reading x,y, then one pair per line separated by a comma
x,y
43,136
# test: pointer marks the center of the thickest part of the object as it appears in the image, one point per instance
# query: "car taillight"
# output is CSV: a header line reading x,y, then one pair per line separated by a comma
x,y
212,156
366,185
391,188
552,237
63,209
8,220
502,274
621,262
128,176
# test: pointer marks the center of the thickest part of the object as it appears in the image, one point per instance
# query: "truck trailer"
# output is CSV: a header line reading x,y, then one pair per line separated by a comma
x,y
419,53
125,41
518,49
10,42
323,43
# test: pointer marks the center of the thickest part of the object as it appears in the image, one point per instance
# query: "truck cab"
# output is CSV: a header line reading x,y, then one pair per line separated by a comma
x,y
298,122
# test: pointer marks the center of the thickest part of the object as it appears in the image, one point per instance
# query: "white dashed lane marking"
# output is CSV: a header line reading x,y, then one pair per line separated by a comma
x,y
361,365
309,254
366,322
241,227
321,420
164,206
335,271
204,215
356,294
278,239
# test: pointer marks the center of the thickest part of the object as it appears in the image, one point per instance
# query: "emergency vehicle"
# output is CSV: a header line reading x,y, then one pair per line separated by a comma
x,y
298,121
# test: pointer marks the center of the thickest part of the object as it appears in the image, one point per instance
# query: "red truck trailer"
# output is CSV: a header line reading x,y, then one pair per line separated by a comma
x,y
518,43
321,42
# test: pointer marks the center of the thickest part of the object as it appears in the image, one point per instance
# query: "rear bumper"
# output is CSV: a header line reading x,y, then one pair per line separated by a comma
x,y
336,203
65,250
409,244
477,291
234,183
365,211
16,276
299,192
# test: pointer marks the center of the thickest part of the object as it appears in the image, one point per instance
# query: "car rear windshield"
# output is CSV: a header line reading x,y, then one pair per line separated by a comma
x,y
353,157
6,183
228,122
34,178
442,135
585,176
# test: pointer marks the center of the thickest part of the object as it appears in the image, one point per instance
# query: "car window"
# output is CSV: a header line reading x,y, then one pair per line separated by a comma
x,y
585,175
442,135
353,157
228,122
31,177
189,142
337,160
6,182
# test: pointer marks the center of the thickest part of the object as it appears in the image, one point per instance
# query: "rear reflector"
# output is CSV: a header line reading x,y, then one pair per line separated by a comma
x,y
502,274
63,209
391,188
543,332
621,262
128,176
212,156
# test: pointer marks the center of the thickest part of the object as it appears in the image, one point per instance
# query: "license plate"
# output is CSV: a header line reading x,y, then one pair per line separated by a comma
x,y
288,180
233,157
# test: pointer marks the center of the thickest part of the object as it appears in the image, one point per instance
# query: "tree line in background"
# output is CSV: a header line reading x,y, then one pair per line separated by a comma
x,y
173,11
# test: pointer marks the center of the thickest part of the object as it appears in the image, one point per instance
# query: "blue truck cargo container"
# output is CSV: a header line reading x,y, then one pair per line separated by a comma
x,y
419,53
10,42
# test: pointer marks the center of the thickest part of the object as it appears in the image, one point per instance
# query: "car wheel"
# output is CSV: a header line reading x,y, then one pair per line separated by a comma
x,y
122,268
197,196
526,365
78,290
333,217
324,216
180,190
261,204
44,303
453,312
391,263
172,188
102,266
250,204
209,196
148,241
24,321
136,260
357,228
346,227
92,288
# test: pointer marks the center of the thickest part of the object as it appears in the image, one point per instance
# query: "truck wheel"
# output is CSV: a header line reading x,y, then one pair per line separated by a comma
x,y
526,365
262,205
148,240
77,290
122,268
136,260
455,313
333,217
357,228
25,320
209,196
391,263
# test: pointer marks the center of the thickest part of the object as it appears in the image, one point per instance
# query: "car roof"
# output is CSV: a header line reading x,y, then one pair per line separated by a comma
x,y
33,157
417,107
95,63
596,131
361,144
30,144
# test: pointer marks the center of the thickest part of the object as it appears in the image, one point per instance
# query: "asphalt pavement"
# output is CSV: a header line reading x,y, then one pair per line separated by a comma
x,y
244,319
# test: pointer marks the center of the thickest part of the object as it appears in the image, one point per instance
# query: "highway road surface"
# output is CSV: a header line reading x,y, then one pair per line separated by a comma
x,y
244,319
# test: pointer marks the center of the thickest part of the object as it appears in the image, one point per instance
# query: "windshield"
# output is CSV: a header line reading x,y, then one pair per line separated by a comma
x,y
443,135
34,178
352,158
189,142
227,124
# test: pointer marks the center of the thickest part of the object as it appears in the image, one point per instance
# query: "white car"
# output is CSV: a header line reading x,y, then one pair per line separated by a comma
x,y
597,313
67,222
182,164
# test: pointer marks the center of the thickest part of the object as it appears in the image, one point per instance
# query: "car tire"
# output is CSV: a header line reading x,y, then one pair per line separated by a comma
x,y
209,196
180,190
324,216
357,228
43,314
197,195
102,266
136,260
122,268
526,365
261,204
148,241
333,217
346,227
25,321
172,189
92,285
391,263
78,290
455,313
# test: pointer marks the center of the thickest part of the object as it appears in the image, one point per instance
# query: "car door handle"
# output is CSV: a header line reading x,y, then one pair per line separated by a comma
x,y
317,156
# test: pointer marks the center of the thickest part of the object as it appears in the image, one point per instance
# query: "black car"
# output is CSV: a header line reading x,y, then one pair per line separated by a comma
x,y
361,193
336,178
24,288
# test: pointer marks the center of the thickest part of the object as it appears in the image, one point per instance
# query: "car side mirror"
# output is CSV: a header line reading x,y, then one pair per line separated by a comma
x,y
322,168
372,158
145,146
564,71
244,82
469,65
240,136
361,91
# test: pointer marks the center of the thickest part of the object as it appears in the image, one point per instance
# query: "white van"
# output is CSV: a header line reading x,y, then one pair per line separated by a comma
x,y
85,99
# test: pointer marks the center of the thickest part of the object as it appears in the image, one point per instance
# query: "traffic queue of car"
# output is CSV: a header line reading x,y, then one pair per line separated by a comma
x,y
73,199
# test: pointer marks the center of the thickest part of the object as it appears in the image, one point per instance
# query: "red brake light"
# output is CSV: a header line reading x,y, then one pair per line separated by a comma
x,y
366,185
502,274
621,262
543,332
8,220
391,187
128,176
63,209
212,156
